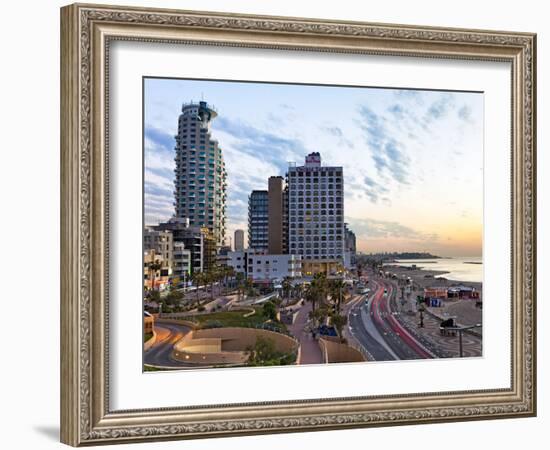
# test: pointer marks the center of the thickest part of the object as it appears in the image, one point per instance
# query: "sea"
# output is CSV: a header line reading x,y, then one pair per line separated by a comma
x,y
460,269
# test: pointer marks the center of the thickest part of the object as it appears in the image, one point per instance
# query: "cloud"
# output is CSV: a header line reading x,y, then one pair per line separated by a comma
x,y
162,139
370,228
154,189
251,155
439,108
397,110
338,134
465,113
386,151
263,145
158,175
373,190
334,131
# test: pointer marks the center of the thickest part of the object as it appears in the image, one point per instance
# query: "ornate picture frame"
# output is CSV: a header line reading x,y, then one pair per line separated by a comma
x,y
86,33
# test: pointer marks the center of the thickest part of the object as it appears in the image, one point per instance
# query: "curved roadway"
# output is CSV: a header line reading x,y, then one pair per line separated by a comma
x,y
159,354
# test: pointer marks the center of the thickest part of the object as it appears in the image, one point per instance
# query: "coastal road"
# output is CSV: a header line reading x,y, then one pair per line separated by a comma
x,y
398,338
167,335
363,330
372,322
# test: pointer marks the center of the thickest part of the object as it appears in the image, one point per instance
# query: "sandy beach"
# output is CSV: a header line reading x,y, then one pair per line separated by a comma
x,y
464,311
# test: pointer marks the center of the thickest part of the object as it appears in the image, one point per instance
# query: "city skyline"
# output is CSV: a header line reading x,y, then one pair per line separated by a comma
x,y
412,159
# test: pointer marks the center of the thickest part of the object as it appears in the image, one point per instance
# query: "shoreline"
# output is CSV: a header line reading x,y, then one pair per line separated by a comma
x,y
463,309
424,277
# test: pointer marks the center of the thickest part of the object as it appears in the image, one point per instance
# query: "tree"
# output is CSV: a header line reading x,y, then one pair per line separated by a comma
x,y
269,310
312,295
339,322
240,288
287,287
317,290
319,315
173,297
153,296
264,353
336,288
199,278
228,272
153,267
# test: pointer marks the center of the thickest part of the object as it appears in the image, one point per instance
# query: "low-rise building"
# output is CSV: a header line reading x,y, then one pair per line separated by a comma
x,y
161,242
156,271
266,268
435,292
198,240
262,268
181,265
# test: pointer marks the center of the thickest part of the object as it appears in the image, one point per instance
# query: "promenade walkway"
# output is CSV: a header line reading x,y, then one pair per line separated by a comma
x,y
310,352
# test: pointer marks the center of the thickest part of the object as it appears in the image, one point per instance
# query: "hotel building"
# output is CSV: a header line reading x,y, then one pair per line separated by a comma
x,y
316,215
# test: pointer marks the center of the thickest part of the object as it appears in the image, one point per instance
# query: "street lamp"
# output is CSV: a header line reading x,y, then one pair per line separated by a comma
x,y
421,310
460,331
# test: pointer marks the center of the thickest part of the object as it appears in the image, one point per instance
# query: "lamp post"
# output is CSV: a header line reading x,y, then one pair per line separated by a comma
x,y
421,310
460,331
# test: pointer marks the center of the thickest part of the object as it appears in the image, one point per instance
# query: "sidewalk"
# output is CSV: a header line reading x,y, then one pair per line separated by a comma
x,y
310,352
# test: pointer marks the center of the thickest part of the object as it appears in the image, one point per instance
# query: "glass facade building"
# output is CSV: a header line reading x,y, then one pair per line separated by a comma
x,y
200,174
258,219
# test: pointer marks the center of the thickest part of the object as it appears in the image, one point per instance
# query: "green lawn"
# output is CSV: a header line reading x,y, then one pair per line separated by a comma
x,y
233,319
147,336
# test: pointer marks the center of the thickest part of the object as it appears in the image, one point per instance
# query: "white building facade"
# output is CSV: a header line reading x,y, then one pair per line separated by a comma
x,y
316,215
260,267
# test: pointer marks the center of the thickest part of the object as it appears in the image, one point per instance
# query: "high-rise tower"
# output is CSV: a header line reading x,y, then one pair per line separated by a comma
x,y
276,215
200,182
258,221
316,215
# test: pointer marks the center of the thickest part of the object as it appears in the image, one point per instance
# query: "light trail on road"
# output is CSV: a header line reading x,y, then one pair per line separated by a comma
x,y
379,332
160,353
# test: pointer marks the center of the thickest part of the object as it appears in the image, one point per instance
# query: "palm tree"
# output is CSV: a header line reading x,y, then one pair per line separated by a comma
x,y
153,267
240,279
318,315
210,278
339,322
287,286
229,272
198,280
321,283
312,295
336,287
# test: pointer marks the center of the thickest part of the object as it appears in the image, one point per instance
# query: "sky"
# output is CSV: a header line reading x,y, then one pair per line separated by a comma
x,y
412,159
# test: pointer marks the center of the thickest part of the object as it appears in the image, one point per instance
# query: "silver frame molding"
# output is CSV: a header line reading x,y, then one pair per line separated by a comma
x,y
86,31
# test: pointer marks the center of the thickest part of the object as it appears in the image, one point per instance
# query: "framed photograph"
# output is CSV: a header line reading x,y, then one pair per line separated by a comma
x,y
278,224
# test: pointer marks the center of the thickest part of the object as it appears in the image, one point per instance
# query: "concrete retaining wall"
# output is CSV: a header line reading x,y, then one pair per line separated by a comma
x,y
226,345
148,344
186,323
337,352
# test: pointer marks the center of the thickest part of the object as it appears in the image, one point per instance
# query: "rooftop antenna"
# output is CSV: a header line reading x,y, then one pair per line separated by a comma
x,y
202,96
